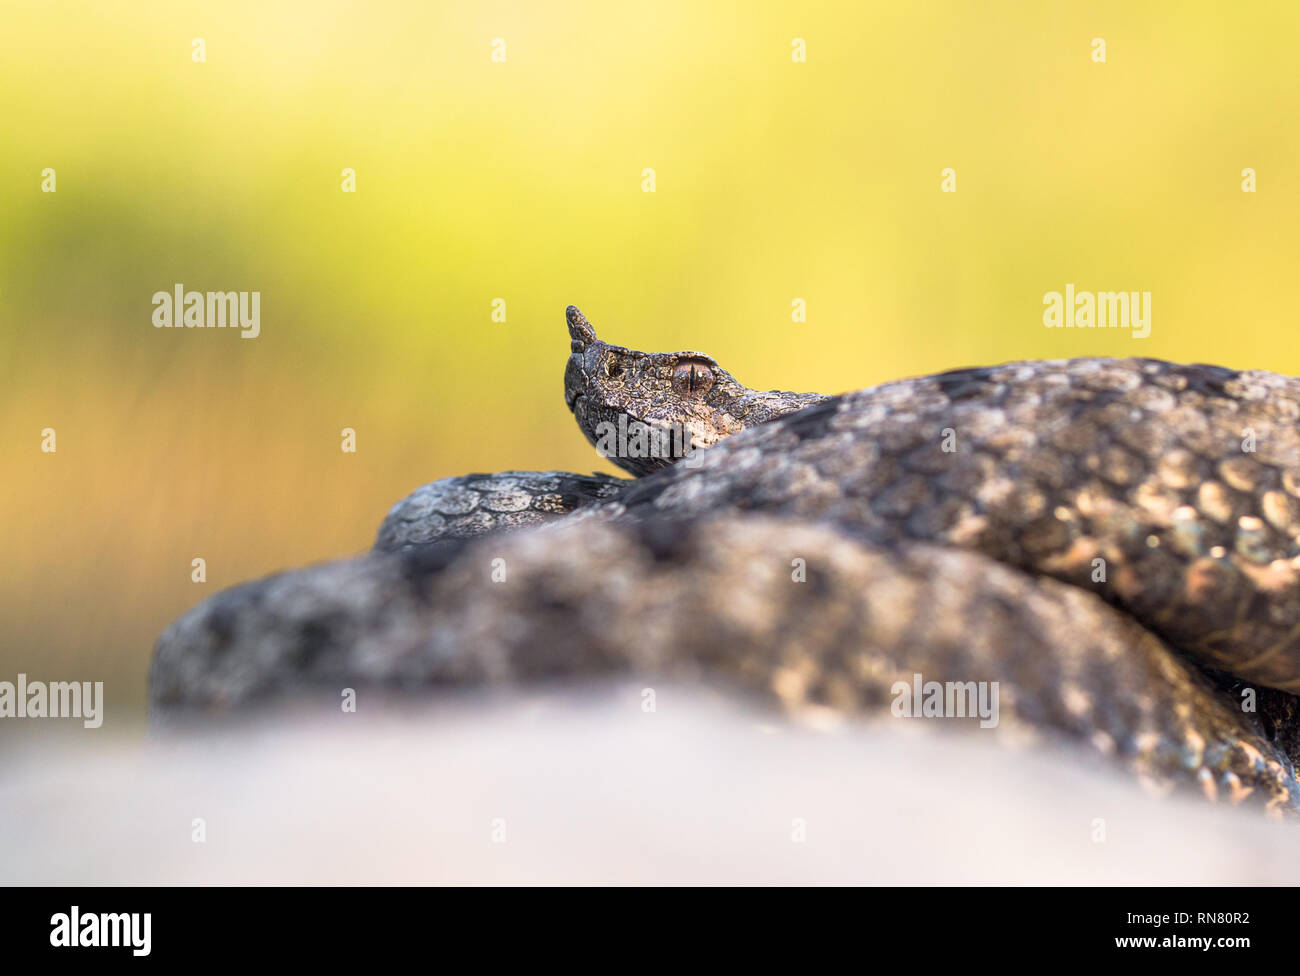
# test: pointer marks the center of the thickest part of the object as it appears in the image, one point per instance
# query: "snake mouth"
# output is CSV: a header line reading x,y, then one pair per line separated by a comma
x,y
571,399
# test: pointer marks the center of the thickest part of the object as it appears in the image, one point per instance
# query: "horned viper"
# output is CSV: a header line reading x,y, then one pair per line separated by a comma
x,y
1114,543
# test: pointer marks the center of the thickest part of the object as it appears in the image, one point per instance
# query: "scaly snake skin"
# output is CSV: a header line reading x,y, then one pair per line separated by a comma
x,y
1115,542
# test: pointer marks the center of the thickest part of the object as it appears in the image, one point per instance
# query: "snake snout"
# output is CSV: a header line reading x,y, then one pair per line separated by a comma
x,y
580,330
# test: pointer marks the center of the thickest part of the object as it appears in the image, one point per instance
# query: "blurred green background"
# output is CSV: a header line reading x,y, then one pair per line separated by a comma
x,y
522,180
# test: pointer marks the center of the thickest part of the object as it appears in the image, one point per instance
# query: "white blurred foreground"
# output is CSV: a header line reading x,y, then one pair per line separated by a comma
x,y
588,788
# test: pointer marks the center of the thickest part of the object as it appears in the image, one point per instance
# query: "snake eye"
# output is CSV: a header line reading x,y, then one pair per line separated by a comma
x,y
692,378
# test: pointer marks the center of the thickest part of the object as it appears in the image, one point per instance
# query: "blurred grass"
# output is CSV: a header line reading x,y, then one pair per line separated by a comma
x,y
522,181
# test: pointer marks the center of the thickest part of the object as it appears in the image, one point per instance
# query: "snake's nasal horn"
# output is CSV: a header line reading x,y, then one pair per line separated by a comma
x,y
580,329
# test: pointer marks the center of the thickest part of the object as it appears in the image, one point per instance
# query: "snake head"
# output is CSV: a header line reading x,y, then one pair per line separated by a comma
x,y
644,411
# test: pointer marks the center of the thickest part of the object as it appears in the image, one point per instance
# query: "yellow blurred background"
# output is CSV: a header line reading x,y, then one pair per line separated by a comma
x,y
522,180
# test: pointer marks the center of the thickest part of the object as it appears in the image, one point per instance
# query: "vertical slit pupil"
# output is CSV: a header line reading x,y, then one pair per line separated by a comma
x,y
691,378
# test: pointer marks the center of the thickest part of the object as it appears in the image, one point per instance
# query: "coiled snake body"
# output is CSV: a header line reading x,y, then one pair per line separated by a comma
x,y
1115,543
